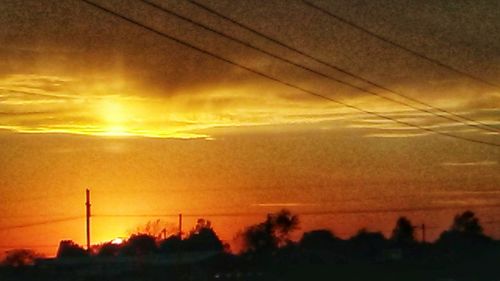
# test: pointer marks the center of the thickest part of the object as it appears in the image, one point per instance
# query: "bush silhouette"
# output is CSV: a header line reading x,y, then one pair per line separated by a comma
x,y
139,245
20,257
366,244
172,244
404,232
203,238
270,234
322,239
69,249
109,250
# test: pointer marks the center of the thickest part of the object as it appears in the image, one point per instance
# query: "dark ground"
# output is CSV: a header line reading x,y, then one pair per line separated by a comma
x,y
400,271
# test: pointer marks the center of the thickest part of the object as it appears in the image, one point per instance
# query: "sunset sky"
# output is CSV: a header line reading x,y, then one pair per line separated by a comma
x,y
88,100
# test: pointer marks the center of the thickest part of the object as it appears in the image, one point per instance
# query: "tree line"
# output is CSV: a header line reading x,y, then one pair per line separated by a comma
x,y
269,241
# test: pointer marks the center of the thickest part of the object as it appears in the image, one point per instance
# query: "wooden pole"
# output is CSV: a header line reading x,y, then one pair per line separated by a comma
x,y
87,205
423,232
180,226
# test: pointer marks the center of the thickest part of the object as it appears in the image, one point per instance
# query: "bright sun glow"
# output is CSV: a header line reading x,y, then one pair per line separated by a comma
x,y
114,116
117,241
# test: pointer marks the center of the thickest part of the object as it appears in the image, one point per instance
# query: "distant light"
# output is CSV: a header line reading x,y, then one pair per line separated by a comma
x,y
117,241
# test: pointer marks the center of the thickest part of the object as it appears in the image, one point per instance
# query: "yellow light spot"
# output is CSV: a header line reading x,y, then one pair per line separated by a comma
x,y
117,241
114,115
113,112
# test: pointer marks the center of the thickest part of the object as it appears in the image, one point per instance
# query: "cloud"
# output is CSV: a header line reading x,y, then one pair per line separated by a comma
x,y
283,204
96,70
466,201
397,135
89,106
468,164
389,129
104,106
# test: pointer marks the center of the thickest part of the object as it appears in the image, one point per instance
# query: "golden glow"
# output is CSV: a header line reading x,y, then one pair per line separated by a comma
x,y
117,241
105,110
114,117
112,111
116,108
130,175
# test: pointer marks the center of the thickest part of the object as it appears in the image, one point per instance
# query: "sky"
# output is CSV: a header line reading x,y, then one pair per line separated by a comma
x,y
153,128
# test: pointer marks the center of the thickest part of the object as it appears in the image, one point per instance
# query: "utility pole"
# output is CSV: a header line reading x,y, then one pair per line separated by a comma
x,y
423,233
180,226
87,205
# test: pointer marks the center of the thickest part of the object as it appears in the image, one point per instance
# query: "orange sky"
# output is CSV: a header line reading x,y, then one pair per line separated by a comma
x,y
88,101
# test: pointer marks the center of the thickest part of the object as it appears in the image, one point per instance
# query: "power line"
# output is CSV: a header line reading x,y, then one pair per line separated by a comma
x,y
262,74
38,198
411,51
41,223
477,124
322,74
26,246
194,215
402,210
31,216
308,213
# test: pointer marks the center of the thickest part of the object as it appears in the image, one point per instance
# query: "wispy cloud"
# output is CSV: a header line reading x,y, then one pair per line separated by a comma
x,y
114,106
396,135
468,164
384,128
466,201
283,204
100,107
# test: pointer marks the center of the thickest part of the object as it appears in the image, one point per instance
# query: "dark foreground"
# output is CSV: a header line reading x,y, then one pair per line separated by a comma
x,y
479,270
462,253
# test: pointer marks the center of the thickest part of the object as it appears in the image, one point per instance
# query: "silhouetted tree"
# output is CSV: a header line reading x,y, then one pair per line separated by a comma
x,y
465,226
259,238
322,239
465,237
20,257
156,228
69,249
172,244
200,225
367,244
467,223
404,232
203,238
139,245
109,250
270,234
321,246
284,223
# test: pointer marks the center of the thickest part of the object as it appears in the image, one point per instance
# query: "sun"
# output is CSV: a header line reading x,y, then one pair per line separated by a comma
x,y
114,117
113,111
115,131
117,241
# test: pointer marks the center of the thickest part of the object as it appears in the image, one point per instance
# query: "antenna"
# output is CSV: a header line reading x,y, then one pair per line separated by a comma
x,y
87,205
180,226
423,233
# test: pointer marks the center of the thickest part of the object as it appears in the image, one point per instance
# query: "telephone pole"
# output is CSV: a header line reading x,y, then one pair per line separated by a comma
x,y
423,233
87,205
180,226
